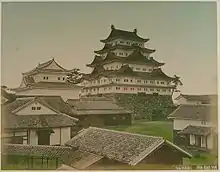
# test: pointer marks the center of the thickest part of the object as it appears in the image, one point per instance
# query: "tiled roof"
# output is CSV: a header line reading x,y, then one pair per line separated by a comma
x,y
116,33
9,96
36,150
196,130
42,68
125,70
49,85
89,107
120,146
205,99
55,103
108,48
195,112
136,57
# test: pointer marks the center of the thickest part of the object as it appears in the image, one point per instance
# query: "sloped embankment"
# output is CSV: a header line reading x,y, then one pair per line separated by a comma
x,y
151,107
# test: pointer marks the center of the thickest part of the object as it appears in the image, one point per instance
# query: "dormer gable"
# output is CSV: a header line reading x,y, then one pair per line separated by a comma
x,y
35,107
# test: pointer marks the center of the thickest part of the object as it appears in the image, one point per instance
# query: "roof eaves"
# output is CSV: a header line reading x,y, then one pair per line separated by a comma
x,y
170,116
178,148
146,152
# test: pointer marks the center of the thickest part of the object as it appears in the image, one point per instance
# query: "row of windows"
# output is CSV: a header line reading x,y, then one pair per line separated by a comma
x,y
36,108
128,43
137,69
131,80
132,89
59,78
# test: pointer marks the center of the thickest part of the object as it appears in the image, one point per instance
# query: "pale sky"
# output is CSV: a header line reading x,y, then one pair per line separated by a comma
x,y
184,35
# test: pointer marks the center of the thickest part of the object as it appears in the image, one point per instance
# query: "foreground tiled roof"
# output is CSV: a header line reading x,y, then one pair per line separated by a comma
x,y
195,112
96,106
36,150
197,130
120,146
55,103
205,99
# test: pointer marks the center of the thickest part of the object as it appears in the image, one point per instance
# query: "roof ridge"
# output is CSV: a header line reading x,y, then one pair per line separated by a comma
x,y
27,145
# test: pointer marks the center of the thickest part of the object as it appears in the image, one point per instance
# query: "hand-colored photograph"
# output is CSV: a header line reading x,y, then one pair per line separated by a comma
x,y
109,85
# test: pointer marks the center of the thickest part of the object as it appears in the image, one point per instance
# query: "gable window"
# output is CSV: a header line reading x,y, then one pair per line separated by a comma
x,y
125,80
58,78
120,53
33,108
39,108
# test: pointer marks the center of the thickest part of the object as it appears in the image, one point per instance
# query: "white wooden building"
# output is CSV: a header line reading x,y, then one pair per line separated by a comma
x,y
124,65
48,78
42,120
195,126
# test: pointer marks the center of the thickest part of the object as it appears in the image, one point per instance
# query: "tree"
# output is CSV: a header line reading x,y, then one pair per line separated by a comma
x,y
177,82
75,76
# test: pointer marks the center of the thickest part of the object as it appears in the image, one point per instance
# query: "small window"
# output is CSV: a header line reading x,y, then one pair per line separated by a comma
x,y
107,68
131,80
126,54
162,82
144,69
58,78
137,68
164,90
128,43
38,108
125,80
158,82
117,88
125,88
139,89
121,42
117,80
158,90
63,78
152,82
139,81
120,53
103,80
145,82
145,89
94,89
47,77
109,88
33,108
151,89
117,67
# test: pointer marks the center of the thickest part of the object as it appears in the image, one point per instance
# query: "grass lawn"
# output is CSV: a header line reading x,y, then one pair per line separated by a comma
x,y
164,129
154,128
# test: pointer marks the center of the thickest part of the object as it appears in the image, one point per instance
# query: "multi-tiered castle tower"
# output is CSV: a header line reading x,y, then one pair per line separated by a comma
x,y
124,65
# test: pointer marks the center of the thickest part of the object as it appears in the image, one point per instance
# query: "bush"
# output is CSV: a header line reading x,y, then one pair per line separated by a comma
x,y
151,107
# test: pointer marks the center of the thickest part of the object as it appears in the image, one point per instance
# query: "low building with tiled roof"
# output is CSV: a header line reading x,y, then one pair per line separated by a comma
x,y
42,120
195,126
7,96
114,149
48,78
124,65
99,111
196,99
